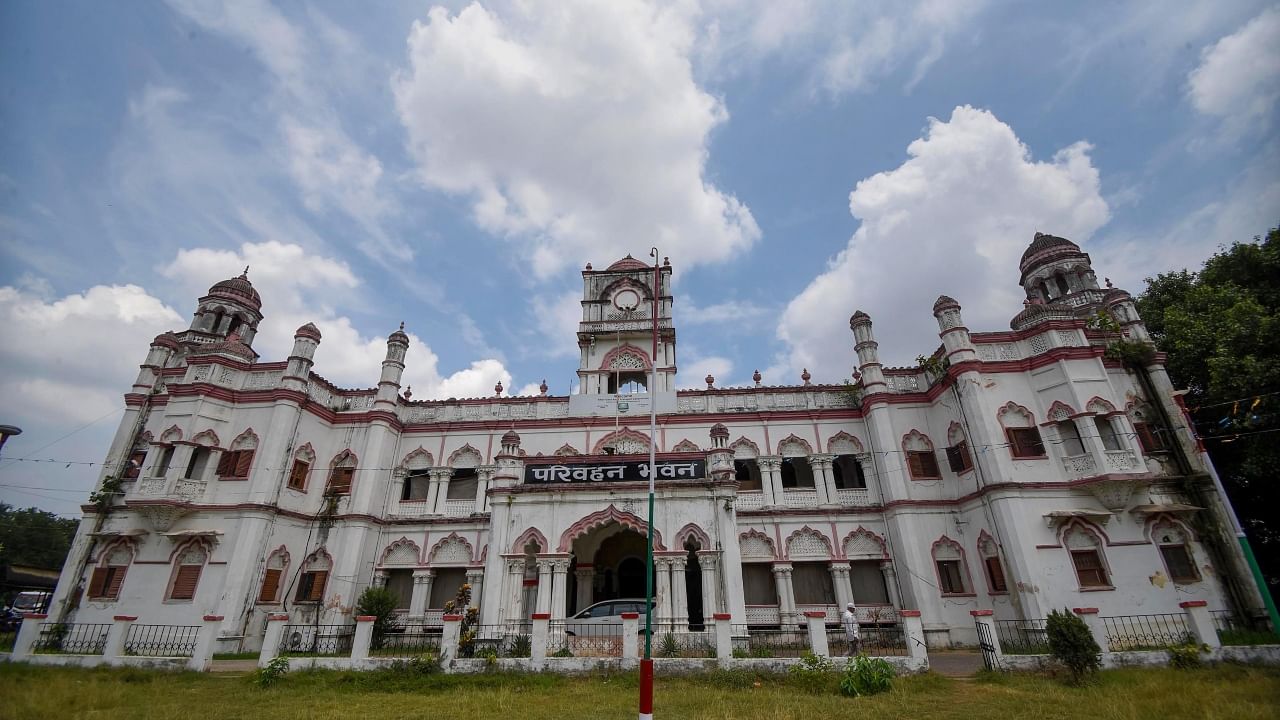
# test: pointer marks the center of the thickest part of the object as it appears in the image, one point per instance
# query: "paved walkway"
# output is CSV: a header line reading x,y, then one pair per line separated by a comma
x,y
236,666
955,664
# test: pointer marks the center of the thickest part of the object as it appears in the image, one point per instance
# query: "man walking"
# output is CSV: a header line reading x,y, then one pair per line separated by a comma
x,y
850,622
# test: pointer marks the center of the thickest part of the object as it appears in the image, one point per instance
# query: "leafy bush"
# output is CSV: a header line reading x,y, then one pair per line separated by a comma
x,y
667,647
381,604
812,673
1187,655
563,652
1071,644
424,664
866,676
521,647
274,671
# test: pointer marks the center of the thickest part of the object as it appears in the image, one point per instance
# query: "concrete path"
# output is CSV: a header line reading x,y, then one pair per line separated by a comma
x,y
236,666
956,664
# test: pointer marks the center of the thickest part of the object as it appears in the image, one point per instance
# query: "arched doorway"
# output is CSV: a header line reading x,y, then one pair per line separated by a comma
x,y
608,563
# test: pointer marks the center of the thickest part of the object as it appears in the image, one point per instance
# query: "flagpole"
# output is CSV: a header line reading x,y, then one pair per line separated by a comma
x,y
646,664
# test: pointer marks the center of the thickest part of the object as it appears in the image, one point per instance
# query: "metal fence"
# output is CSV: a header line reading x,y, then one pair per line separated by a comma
x,y
317,640
872,641
1234,630
579,639
1146,632
161,640
1023,637
72,638
751,642
405,641
672,640
504,640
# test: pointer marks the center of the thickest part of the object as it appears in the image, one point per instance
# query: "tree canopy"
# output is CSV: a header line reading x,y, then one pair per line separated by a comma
x,y
34,537
1221,330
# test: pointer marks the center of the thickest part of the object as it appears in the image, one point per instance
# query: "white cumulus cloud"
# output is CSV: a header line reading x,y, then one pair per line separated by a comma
x,y
954,218
1238,78
575,129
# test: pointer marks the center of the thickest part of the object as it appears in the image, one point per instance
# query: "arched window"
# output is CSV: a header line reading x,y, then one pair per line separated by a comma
x,y
108,576
1086,556
272,578
188,565
341,473
1107,431
1021,432
847,472
1069,436
796,473
315,575
300,471
746,468
922,464
990,555
236,463
953,571
1152,436
958,458
1175,550
1061,281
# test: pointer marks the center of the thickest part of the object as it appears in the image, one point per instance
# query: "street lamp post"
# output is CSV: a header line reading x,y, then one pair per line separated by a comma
x,y
8,431
646,664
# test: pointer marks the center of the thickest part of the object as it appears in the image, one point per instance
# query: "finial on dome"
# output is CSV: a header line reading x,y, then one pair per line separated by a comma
x,y
543,387
408,392
245,275
1108,281
401,326
711,381
666,260
588,266
756,376
497,389
805,376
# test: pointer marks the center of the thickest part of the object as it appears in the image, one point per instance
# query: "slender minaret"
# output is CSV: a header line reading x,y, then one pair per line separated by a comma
x,y
868,353
956,343
298,372
392,370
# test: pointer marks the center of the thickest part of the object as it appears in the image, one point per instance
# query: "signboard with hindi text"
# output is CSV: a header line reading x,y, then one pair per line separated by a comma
x,y
629,471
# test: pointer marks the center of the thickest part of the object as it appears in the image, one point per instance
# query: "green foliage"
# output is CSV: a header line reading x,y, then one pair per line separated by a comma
x,y
1131,352
521,647
112,488
1071,644
562,652
424,664
1248,637
667,646
1221,330
273,672
934,366
866,676
1187,655
34,537
381,604
812,673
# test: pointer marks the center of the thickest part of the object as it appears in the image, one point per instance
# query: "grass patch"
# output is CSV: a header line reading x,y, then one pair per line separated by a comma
x,y
1226,691
251,655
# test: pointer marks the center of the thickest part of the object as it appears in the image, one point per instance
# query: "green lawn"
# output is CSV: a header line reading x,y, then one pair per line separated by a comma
x,y
1234,692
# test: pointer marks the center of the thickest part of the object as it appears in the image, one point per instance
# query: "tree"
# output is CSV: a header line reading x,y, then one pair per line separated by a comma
x,y
34,537
1221,330
380,603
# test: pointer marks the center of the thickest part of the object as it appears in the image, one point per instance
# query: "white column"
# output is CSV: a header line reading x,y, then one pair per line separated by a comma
x,y
816,622
421,593
449,636
1200,623
117,634
560,588
630,636
662,588
482,490
475,578
515,590
206,642
543,605
363,638
586,576
770,482
679,592
890,583
913,634
786,595
436,492
710,585
840,581
271,638
825,482
380,578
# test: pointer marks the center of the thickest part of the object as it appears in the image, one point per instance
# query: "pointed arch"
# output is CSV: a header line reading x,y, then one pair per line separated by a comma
x,y
755,545
955,434
625,442
810,544
916,441
1013,415
344,459
172,435
466,457
863,544
601,518
401,552
744,449
842,443
530,535
625,357
793,446
206,437
686,445
1100,406
1060,411
247,440
305,453
418,459
453,549
692,531
639,287
566,450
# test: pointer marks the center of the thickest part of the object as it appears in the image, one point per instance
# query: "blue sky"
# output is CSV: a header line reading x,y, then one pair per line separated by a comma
x,y
454,166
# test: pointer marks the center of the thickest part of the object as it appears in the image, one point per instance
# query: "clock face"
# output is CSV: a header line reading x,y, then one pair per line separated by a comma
x,y
626,299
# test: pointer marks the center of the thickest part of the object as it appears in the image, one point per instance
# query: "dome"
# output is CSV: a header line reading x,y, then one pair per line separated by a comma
x,y
627,263
1043,242
167,339
238,289
399,336
511,437
308,331
943,302
858,318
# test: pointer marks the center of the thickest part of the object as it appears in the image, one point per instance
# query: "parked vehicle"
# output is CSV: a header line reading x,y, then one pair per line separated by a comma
x,y
604,618
31,601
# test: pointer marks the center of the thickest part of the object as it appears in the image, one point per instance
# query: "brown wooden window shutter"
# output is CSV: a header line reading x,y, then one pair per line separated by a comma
x,y
311,589
98,582
340,480
115,578
270,586
244,461
958,457
995,573
298,475
922,464
226,464
184,583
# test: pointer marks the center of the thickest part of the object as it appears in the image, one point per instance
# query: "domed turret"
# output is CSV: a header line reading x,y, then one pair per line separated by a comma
x,y
627,263
230,306
308,331
1053,267
238,289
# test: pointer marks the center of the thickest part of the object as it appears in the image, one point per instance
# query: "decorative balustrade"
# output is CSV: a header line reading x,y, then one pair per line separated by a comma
x,y
151,486
317,640
758,643
72,638
750,500
433,618
1078,466
763,615
1120,460
458,508
412,508
831,613
189,489
162,640
854,497
1146,632
580,639
800,498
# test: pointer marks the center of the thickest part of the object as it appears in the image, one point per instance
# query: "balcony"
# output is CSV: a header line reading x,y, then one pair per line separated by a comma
x,y
800,498
1121,461
422,509
854,497
1080,466
750,500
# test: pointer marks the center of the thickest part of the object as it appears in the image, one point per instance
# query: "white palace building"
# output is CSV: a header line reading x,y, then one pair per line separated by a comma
x,y
1019,471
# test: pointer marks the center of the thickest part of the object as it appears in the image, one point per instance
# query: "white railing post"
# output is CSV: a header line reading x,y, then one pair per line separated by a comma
x,y
449,637
630,635
722,625
986,618
206,642
271,638
817,622
1098,629
913,635
117,634
28,632
538,639
363,638
1200,623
